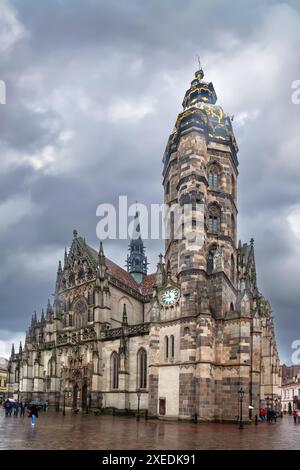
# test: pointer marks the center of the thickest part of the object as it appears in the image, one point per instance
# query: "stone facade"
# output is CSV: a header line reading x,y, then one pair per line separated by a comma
x,y
109,335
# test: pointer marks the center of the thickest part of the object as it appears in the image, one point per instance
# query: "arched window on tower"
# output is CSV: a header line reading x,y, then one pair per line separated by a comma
x,y
214,219
142,368
232,223
172,341
232,269
233,187
214,177
186,331
166,347
114,371
210,259
168,188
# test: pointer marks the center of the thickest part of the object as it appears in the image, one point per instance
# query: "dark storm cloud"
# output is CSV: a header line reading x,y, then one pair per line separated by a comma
x,y
94,88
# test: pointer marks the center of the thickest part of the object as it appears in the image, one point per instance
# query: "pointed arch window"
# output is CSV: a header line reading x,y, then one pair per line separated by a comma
x,y
142,368
166,347
232,268
168,188
172,346
214,219
210,259
214,177
186,331
114,371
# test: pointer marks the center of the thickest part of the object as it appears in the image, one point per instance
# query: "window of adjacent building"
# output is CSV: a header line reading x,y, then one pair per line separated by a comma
x,y
142,368
114,371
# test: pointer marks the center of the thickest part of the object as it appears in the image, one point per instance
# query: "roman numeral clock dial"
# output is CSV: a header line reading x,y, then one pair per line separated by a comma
x,y
170,296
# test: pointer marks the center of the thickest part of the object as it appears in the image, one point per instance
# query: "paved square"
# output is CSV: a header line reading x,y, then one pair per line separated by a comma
x,y
55,431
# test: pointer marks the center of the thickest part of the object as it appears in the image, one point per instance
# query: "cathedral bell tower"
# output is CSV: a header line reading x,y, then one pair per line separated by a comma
x,y
196,285
200,174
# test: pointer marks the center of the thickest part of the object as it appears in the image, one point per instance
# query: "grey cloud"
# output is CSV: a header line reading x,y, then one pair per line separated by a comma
x,y
82,67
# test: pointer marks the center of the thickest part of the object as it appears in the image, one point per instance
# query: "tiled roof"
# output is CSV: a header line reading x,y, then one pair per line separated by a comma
x,y
114,270
146,287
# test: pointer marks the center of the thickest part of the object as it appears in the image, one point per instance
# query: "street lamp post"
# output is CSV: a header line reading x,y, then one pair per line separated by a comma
x,y
139,398
88,404
241,395
64,407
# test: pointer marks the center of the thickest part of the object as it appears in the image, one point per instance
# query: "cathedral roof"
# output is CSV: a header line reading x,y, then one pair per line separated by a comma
x,y
114,270
146,287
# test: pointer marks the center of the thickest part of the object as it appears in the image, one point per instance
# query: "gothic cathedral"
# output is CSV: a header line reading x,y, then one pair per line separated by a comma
x,y
182,341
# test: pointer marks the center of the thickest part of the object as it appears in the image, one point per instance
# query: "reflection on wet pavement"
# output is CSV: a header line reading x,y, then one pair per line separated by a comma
x,y
54,431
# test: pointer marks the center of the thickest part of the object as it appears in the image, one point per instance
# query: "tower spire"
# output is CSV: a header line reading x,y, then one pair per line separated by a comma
x,y
136,259
66,259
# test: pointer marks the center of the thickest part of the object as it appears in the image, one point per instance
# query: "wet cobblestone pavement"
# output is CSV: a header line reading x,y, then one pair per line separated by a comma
x,y
55,431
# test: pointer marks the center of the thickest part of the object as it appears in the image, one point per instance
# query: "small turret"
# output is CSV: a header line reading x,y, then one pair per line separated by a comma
x,y
66,263
102,268
59,269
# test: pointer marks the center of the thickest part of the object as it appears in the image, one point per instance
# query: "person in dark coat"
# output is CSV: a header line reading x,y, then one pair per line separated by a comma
x,y
33,413
22,408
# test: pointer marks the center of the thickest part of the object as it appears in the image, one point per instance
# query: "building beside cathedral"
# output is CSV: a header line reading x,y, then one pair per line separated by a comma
x,y
184,339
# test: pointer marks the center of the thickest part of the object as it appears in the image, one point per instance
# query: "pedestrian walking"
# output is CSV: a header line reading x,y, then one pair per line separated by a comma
x,y
22,408
16,408
295,416
7,406
33,413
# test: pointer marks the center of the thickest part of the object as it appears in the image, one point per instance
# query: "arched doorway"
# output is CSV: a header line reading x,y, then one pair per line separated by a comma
x,y
75,395
84,397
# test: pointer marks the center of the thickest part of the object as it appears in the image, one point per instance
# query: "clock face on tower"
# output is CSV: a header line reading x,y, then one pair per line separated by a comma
x,y
170,296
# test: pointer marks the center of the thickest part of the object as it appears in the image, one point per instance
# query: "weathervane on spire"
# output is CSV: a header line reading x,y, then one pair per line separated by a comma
x,y
199,61
199,74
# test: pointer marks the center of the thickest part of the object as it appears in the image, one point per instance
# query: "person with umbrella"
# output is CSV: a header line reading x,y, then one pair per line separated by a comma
x,y
9,404
33,411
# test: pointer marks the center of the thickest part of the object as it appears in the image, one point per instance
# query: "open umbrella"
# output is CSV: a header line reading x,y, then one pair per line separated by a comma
x,y
11,400
35,402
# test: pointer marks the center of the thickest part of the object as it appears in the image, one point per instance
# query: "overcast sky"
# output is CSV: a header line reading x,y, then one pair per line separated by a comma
x,y
93,91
